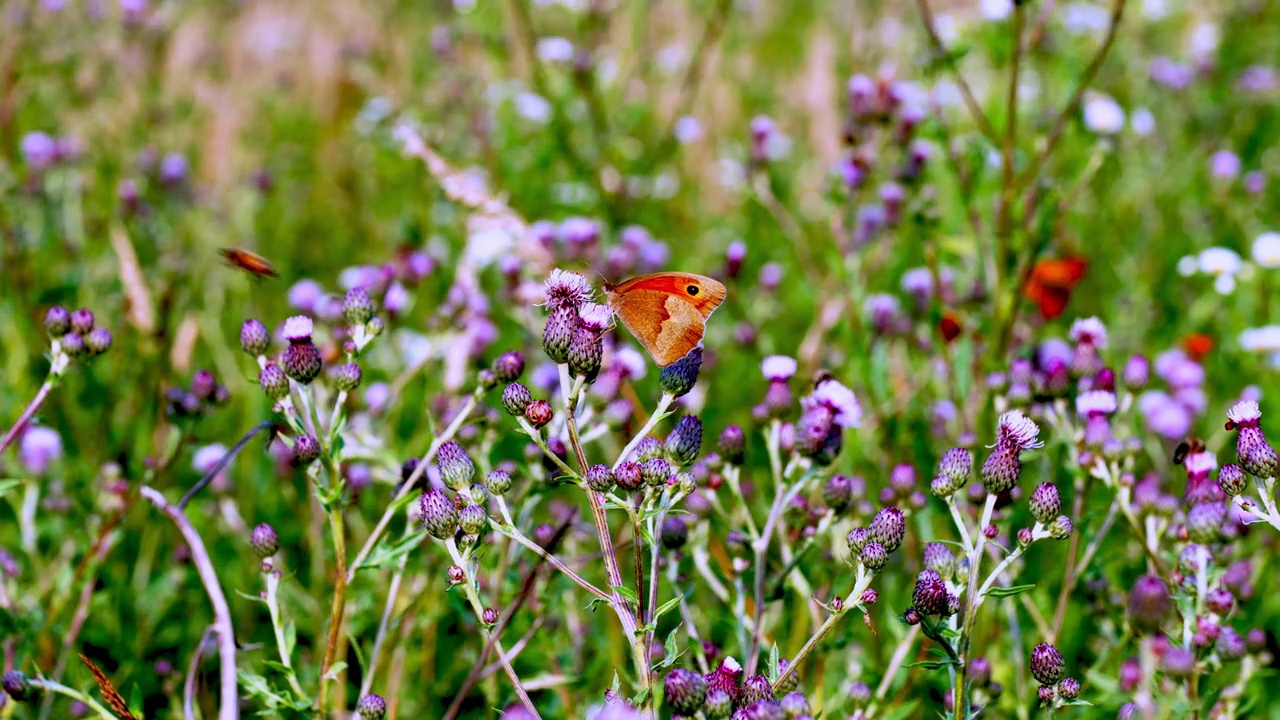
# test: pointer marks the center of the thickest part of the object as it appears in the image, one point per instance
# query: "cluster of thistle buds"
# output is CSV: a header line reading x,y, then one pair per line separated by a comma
x,y
1257,458
574,333
74,337
203,396
723,694
461,516
871,546
1049,669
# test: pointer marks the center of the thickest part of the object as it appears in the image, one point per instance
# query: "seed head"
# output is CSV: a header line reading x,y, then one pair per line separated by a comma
x,y
1045,503
684,691
538,412
685,441
508,366
264,541
372,707
456,468
678,378
254,338
357,307
888,528
1046,664
439,515
57,321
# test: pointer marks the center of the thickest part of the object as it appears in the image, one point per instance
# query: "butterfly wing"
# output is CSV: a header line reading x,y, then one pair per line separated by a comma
x,y
667,312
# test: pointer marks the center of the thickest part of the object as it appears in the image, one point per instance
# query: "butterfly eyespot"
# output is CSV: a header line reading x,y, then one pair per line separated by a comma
x,y
692,289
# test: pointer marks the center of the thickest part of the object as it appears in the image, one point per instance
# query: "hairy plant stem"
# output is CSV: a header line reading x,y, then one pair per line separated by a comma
x,y
626,614
27,414
659,413
971,602
56,687
338,607
473,597
853,600
282,645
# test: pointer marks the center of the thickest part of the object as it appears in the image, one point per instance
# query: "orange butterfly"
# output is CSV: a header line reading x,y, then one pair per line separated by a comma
x,y
667,312
250,262
1051,283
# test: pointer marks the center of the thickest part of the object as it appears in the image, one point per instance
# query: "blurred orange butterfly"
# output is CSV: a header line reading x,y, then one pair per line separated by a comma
x,y
667,312
1051,283
250,262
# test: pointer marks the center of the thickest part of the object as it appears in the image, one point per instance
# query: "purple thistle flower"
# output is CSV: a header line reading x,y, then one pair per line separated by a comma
x,y
39,448
684,691
1046,664
930,593
264,541
567,289
1255,453
629,476
371,707
888,528
1149,604
439,514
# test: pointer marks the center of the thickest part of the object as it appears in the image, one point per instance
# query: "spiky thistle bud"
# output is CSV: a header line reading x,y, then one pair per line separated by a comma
x,y
678,378
874,556
357,307
600,478
254,338
940,559
508,366
684,691
558,333
674,532
273,382
1061,528
888,528
82,321
795,704
755,689
629,476
515,398
372,707
18,687
656,471
302,361
73,345
439,515
647,449
1149,604
456,468
684,441
264,541
1045,503
1232,479
1136,373
586,351
1205,522
957,465
538,413
1046,664
837,493
472,519
930,593
498,482
348,377
57,321
719,704
489,616
98,341
306,448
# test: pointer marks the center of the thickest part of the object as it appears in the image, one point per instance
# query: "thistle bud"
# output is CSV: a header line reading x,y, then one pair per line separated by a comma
x,y
1255,453
98,341
1046,664
732,444
678,378
684,691
489,616
498,482
874,556
629,476
656,471
18,687
674,533
940,559
558,333
1045,503
371,707
600,478
348,377
515,398
357,307
306,448
1205,522
264,541
1232,480
888,528
57,321
302,361
472,519
857,539
586,351
719,704
439,516
538,412
795,704
1149,604
930,594
73,345
456,468
685,441
508,366
273,382
82,321
837,493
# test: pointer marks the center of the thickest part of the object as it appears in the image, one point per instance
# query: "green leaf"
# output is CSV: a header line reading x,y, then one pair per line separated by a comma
x,y
7,485
135,700
999,592
335,670
252,598
626,592
773,663
290,637
1077,702
385,555
667,606
930,664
